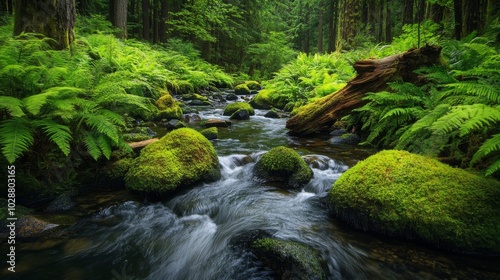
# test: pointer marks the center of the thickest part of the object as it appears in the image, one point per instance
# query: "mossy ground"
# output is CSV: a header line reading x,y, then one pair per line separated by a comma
x,y
282,164
233,107
411,196
180,158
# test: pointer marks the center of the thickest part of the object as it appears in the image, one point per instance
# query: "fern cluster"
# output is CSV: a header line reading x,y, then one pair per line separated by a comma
x,y
455,114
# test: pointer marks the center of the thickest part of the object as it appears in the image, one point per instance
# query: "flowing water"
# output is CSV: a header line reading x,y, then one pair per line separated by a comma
x,y
191,236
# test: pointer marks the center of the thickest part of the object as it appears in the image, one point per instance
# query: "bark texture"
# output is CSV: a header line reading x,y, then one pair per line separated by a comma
x,y
372,76
52,18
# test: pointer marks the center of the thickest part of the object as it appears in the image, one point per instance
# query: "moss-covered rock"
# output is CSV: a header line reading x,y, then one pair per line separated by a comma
x,y
168,108
114,173
241,89
282,164
180,158
262,100
253,85
241,114
289,260
135,137
233,107
210,133
411,196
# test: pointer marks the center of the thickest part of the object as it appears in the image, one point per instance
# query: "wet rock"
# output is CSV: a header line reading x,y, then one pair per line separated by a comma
x,y
231,97
241,89
135,137
197,102
216,123
346,139
338,132
191,118
282,164
210,133
289,259
60,203
241,114
175,124
30,226
233,107
273,114
181,158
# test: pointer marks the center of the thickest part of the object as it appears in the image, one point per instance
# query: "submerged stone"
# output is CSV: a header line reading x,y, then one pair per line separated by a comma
x,y
415,197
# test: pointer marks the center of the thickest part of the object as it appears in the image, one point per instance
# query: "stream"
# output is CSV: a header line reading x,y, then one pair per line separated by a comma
x,y
191,236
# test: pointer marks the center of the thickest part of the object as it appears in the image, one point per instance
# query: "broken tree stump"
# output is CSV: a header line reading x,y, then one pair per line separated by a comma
x,y
372,76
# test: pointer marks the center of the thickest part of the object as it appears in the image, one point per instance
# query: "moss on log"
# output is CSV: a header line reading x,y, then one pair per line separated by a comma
x,y
372,76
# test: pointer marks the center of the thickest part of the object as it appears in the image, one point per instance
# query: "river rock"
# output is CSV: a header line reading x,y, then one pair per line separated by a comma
x,y
175,124
282,164
181,158
210,133
233,107
191,118
241,114
216,123
346,139
405,195
196,102
273,114
290,260
61,203
231,97
241,89
30,227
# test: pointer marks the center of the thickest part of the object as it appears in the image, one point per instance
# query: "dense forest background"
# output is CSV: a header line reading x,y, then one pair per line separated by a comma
x,y
75,75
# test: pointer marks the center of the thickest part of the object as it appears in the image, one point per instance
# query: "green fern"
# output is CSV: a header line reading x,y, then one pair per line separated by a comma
x,y
489,147
16,137
59,134
466,118
12,105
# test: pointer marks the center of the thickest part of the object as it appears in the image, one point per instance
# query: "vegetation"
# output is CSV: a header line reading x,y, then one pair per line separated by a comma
x,y
180,158
233,107
282,164
416,197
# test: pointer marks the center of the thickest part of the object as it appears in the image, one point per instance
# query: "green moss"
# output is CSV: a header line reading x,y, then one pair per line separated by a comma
x,y
118,169
253,85
180,158
241,89
290,259
262,100
411,196
233,107
210,133
282,164
168,108
135,137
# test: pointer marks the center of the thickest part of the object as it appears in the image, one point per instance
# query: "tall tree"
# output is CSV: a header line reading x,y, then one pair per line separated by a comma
x,y
457,9
120,16
408,11
145,19
320,28
349,18
332,25
52,18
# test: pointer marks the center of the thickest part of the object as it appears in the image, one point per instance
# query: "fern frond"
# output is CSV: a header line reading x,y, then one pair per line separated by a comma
x,y
113,117
12,105
489,146
35,102
478,89
16,138
92,146
102,125
59,134
495,167
466,117
104,145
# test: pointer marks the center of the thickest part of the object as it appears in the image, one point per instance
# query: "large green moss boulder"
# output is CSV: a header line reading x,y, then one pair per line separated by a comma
x,y
168,108
411,196
180,158
262,100
236,106
289,260
282,164
253,85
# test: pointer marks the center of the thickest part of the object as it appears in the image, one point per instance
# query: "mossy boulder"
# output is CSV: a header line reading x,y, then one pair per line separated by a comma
x,y
289,259
241,89
253,85
262,100
210,133
415,197
168,108
233,107
180,158
114,173
282,164
241,114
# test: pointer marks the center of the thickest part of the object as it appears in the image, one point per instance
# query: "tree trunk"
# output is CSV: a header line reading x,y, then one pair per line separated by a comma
x,y
145,20
120,16
470,16
156,6
372,76
349,23
52,18
457,9
388,24
320,30
332,25
162,25
408,12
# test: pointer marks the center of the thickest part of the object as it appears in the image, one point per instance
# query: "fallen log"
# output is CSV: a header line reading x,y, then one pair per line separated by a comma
x,y
372,76
141,144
